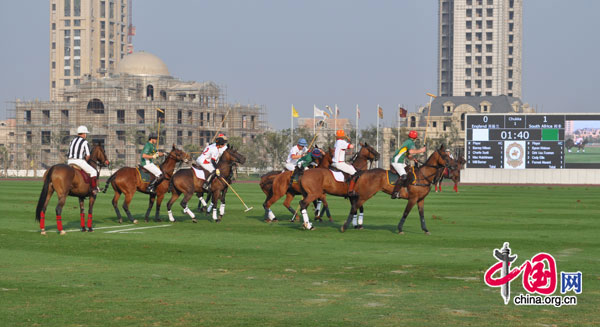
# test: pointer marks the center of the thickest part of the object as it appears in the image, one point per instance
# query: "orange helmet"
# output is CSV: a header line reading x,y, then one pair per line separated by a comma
x,y
340,133
413,134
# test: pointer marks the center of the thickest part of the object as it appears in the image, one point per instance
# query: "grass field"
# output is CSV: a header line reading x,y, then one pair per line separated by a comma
x,y
591,155
243,272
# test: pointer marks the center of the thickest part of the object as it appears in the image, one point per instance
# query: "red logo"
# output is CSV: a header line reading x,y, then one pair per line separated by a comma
x,y
539,274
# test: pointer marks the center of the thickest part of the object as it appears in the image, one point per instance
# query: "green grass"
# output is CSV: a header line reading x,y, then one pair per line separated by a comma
x,y
243,272
591,155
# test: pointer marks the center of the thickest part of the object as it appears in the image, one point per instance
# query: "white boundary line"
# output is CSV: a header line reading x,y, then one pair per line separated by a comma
x,y
135,228
76,230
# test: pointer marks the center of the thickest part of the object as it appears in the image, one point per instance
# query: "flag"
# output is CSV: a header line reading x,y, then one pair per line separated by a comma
x,y
403,112
329,108
380,112
294,112
357,112
320,113
337,110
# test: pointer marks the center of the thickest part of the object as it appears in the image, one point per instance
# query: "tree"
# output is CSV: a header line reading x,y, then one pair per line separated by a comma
x,y
275,145
369,135
32,156
4,158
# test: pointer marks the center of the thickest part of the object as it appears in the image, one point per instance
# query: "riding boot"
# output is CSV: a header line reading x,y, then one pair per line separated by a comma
x,y
206,185
94,183
152,187
399,184
351,191
294,175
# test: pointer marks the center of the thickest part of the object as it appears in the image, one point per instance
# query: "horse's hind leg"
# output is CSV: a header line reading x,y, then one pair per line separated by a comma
x,y
128,197
201,202
351,215
159,199
289,196
82,214
115,203
92,200
62,198
409,206
421,205
174,195
150,205
303,205
186,209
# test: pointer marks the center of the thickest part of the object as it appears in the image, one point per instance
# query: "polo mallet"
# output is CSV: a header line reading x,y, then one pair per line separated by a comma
x,y
236,193
158,135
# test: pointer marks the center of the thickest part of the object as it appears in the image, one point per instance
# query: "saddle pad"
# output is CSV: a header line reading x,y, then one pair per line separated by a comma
x,y
199,173
145,176
84,175
337,175
391,177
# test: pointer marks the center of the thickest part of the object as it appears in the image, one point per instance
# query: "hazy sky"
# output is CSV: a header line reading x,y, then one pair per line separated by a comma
x,y
282,52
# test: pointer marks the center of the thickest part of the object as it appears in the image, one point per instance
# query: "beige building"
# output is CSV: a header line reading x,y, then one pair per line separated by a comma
x,y
8,147
87,38
121,110
479,47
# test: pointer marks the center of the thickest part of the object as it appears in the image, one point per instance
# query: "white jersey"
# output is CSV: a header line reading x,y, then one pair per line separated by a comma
x,y
340,150
579,140
295,151
210,152
79,148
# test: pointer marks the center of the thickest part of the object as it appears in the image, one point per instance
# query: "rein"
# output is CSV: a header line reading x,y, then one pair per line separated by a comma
x,y
434,174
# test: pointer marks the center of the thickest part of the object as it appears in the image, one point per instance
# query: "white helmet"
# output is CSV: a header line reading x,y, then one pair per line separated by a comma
x,y
82,129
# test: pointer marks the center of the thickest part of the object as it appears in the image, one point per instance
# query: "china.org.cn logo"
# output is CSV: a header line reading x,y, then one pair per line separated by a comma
x,y
539,277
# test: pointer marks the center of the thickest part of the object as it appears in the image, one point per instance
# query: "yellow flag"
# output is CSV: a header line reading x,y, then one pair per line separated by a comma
x,y
294,112
380,112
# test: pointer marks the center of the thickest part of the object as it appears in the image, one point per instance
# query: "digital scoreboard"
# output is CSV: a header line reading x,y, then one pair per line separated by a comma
x,y
520,141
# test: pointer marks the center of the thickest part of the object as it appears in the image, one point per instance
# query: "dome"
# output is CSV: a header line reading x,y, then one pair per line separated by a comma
x,y
142,64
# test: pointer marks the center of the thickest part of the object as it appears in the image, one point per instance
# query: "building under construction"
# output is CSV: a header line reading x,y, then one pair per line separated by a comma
x,y
121,110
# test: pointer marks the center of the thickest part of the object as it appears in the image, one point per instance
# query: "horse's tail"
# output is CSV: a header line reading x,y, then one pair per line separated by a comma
x,y
109,180
43,195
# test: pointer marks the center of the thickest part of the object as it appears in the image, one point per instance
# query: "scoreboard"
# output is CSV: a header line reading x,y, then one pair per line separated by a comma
x,y
520,141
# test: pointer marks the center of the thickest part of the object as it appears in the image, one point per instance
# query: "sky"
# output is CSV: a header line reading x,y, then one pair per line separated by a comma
x,y
277,53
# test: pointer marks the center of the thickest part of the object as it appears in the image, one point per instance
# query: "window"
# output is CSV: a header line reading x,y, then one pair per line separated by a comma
x,y
489,24
53,84
468,94
45,117
190,135
54,65
489,36
54,7
510,85
462,122
445,125
67,82
468,37
468,48
112,10
468,60
140,137
510,38
201,120
76,7
478,12
469,2
468,84
189,117
77,42
96,106
478,36
478,48
120,116
488,83
102,9
489,12
53,45
488,48
468,72
150,92
478,72
488,60
121,136
53,26
478,84
488,93
77,33
469,25
77,22
490,2
67,72
67,8
510,50
163,95
160,116
511,27
64,116
141,116
28,137
510,73
413,121
67,23
478,25
510,62
45,137
65,138
434,124
179,117
488,72
179,137
76,81
511,15
478,60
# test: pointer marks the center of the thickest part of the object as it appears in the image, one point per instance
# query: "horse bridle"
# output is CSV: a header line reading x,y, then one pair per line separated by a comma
x,y
437,169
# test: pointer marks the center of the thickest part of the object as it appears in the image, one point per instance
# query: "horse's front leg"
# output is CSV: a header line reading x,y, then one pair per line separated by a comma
x,y
91,201
421,205
215,200
82,213
150,205
351,215
411,202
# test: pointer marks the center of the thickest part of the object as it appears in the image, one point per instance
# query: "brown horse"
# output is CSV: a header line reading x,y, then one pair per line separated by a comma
x,y
375,180
452,172
127,181
184,181
67,180
280,185
315,183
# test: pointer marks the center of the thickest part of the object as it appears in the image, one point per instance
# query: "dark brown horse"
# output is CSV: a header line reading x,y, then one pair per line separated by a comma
x,y
66,180
280,185
127,181
375,180
184,181
315,183
452,172
571,144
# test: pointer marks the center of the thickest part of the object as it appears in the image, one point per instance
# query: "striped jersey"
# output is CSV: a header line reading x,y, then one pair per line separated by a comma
x,y
78,149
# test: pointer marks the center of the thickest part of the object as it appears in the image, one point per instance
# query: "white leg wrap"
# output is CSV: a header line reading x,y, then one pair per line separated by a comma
x,y
271,214
171,218
222,209
319,204
202,201
360,218
189,212
209,207
354,221
305,218
214,215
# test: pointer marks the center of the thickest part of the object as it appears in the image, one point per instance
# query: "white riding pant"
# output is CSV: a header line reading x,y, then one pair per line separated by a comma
x,y
400,168
347,168
153,169
83,165
209,167
290,166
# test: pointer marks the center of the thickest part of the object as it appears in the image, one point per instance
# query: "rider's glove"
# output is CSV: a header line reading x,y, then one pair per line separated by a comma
x,y
218,172
155,155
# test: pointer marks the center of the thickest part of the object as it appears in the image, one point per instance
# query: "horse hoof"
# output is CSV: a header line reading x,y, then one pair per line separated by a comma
x,y
62,232
83,229
43,232
427,233
194,220
218,220
343,228
146,220
120,221
400,233
90,230
359,227
330,219
135,221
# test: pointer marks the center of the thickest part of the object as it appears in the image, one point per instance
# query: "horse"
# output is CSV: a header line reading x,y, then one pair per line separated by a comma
x,y
280,185
315,183
66,180
580,147
375,180
185,181
128,181
452,172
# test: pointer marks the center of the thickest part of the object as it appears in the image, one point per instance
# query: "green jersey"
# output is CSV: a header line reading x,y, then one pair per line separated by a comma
x,y
305,161
400,154
150,150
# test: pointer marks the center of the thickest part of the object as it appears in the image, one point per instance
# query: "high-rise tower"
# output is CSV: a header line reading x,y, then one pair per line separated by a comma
x,y
479,47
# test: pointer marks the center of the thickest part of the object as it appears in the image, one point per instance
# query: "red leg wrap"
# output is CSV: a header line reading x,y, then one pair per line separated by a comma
x,y
89,220
82,216
94,183
59,225
42,220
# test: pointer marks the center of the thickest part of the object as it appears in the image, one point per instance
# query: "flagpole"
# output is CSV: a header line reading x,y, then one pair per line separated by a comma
x,y
335,118
398,128
314,121
292,125
356,136
378,133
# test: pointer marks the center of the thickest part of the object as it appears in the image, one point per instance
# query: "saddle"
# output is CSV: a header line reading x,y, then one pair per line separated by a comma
x,y
393,176
86,177
144,174
199,172
339,175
